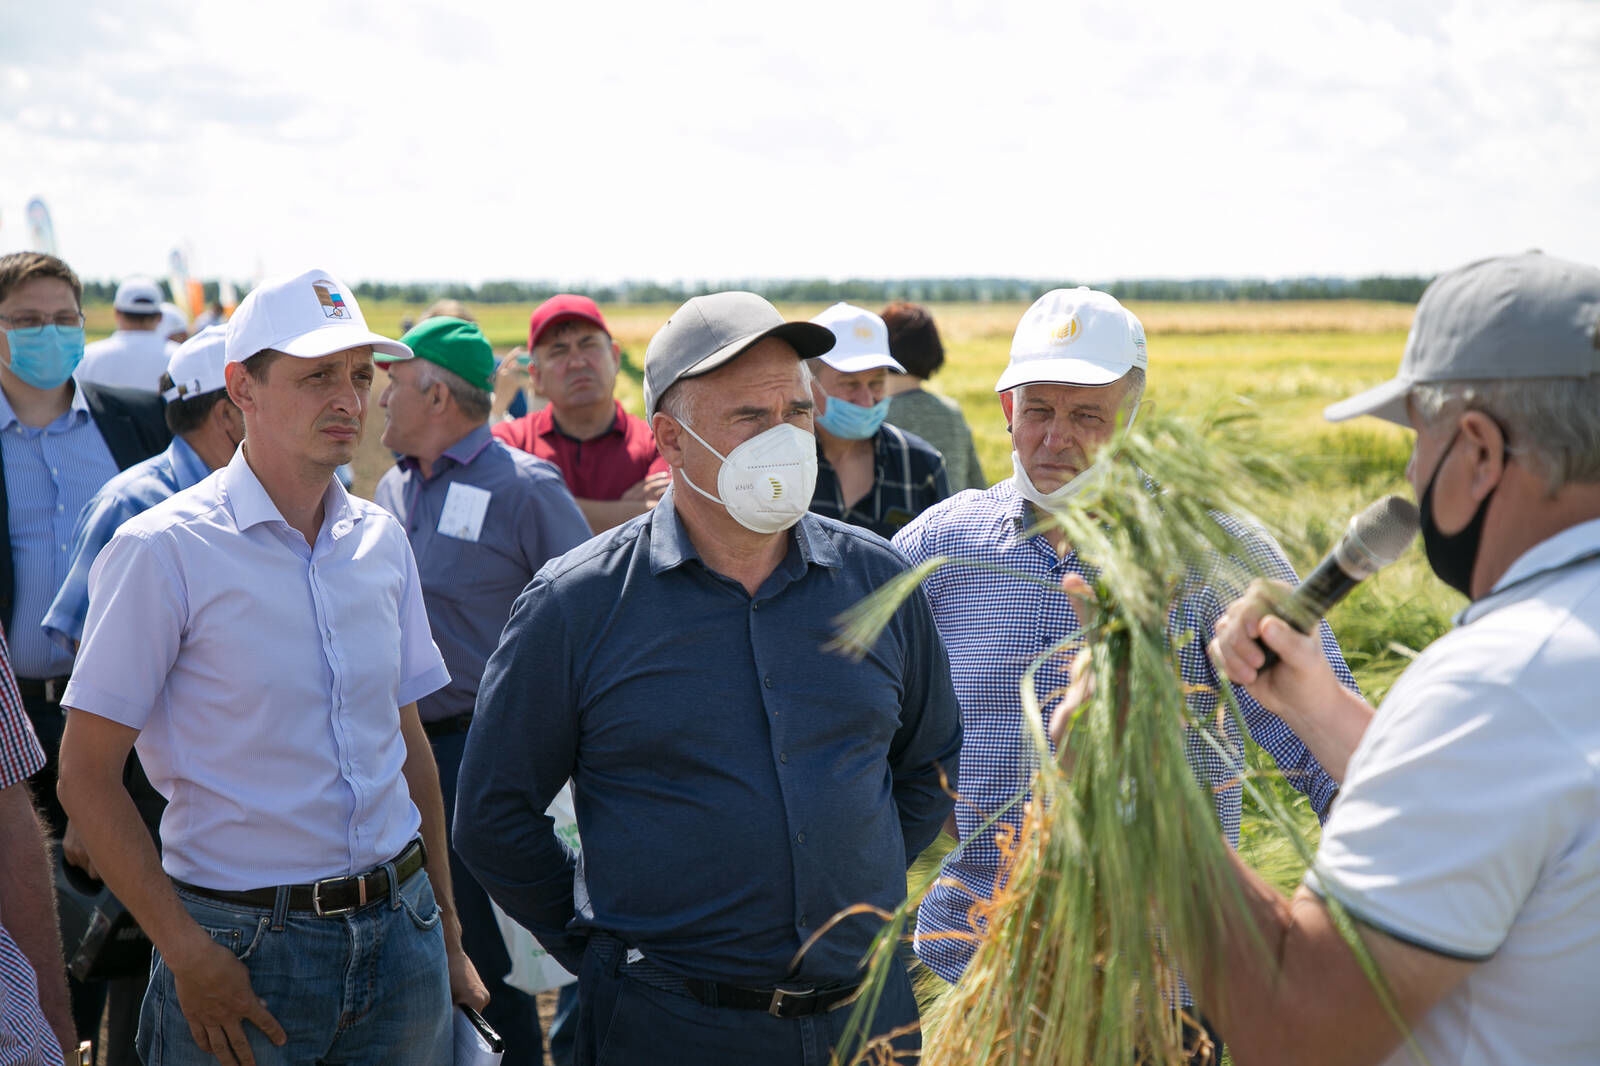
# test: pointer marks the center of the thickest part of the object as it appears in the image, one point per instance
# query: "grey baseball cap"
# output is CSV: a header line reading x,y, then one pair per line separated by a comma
x,y
711,330
1502,319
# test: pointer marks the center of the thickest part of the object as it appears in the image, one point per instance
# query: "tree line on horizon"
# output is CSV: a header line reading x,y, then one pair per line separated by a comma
x,y
1404,289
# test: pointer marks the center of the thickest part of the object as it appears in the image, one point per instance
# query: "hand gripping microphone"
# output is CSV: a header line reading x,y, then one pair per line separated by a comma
x,y
1375,538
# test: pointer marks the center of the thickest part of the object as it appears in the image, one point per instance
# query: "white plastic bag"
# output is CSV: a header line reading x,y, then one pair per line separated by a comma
x,y
532,969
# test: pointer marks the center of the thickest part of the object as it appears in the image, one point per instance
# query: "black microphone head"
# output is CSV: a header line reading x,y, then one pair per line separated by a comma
x,y
1379,535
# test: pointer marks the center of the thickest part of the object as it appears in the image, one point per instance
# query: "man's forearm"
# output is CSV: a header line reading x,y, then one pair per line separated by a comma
x,y
28,905
125,856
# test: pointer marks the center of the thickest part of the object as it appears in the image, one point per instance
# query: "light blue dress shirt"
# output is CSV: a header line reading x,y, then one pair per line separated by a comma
x,y
51,473
135,490
265,677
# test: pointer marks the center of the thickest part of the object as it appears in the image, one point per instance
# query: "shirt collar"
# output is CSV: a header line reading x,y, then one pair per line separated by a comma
x,y
468,448
77,412
1549,554
251,505
186,462
670,546
461,453
544,423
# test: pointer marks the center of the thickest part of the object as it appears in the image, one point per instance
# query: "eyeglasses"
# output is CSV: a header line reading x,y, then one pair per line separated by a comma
x,y
31,323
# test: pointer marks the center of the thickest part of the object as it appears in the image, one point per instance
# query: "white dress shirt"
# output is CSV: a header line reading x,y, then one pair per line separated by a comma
x,y
1469,823
265,677
131,358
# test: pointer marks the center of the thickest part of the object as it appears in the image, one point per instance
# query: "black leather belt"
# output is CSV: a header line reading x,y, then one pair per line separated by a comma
x,y
42,690
778,1002
332,896
448,727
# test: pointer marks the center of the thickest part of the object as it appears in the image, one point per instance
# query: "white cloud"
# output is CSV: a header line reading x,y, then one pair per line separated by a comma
x,y
722,140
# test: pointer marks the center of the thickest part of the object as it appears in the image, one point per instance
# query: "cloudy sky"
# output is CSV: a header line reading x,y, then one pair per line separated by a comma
x,y
630,139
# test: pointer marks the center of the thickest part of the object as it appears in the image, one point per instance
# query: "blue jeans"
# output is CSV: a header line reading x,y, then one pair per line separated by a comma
x,y
623,1021
370,988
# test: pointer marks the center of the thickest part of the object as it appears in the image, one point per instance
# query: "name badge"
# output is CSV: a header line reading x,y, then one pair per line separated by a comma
x,y
464,508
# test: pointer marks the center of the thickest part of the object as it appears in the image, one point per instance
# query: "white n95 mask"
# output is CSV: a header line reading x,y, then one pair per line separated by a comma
x,y
766,482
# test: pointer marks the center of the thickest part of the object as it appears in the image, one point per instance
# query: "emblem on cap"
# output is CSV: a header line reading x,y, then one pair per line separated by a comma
x,y
864,332
1065,333
332,303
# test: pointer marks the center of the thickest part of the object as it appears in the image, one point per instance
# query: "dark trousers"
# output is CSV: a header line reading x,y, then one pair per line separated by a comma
x,y
623,1021
511,1013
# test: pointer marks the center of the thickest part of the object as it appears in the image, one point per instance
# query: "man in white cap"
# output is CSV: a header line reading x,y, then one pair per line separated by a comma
x,y
1077,372
736,786
262,637
869,473
1466,842
206,428
136,355
174,323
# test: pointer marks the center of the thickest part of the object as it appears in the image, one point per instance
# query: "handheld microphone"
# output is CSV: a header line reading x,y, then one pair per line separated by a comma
x,y
1375,538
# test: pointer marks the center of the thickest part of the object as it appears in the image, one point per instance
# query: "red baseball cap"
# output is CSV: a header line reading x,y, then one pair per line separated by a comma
x,y
562,307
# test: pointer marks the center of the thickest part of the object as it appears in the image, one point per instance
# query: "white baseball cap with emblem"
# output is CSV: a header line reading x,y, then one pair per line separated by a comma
x,y
196,367
1078,336
860,340
308,316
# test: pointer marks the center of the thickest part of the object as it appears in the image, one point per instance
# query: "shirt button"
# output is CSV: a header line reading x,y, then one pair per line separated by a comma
x,y
783,756
767,681
799,838
803,921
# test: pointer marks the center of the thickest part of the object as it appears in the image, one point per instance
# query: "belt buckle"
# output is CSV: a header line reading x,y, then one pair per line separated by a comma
x,y
52,694
775,1008
334,912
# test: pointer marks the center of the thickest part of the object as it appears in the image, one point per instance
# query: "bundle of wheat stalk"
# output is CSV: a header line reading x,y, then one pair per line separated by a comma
x,y
1119,869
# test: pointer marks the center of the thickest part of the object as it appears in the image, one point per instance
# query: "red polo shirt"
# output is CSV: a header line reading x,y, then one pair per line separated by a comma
x,y
599,469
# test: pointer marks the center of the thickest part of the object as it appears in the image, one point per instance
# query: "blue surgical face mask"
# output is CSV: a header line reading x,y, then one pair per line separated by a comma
x,y
46,357
852,421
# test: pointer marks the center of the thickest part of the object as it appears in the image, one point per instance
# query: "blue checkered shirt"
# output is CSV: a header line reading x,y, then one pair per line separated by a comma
x,y
995,625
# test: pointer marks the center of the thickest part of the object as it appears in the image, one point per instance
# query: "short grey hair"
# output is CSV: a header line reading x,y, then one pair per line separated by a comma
x,y
475,403
1553,422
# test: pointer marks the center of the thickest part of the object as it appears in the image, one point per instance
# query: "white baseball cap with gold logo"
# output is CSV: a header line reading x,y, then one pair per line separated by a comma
x,y
860,340
309,315
1078,336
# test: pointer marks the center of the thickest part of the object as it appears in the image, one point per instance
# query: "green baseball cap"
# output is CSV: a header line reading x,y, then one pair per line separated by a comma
x,y
453,343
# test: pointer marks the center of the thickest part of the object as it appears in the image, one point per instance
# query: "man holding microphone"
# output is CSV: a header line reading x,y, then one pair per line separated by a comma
x,y
1466,840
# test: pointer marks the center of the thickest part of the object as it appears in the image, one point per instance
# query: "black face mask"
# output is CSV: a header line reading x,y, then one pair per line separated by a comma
x,y
1452,555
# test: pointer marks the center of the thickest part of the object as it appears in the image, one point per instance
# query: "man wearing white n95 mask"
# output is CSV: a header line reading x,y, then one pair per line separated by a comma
x,y
736,787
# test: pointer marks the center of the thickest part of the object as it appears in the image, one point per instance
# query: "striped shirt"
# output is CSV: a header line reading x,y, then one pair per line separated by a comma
x,y
908,478
996,624
26,1038
51,472
134,491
